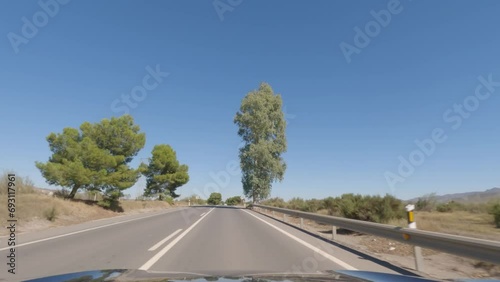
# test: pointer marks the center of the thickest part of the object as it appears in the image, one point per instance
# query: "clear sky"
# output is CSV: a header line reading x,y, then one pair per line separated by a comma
x,y
350,116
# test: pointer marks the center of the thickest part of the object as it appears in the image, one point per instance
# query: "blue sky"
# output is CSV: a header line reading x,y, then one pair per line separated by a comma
x,y
348,121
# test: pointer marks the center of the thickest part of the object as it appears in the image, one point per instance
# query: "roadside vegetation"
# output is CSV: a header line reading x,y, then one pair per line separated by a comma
x,y
215,199
428,203
95,158
459,218
39,209
362,207
262,127
193,200
234,201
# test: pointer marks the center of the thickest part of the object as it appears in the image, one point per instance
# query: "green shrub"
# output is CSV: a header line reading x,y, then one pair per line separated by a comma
x,y
215,199
234,201
110,200
297,204
443,208
332,205
451,206
367,208
169,200
388,208
51,214
275,202
495,211
314,205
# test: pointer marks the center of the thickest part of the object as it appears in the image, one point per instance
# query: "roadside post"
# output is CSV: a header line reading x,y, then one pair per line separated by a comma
x,y
410,210
334,232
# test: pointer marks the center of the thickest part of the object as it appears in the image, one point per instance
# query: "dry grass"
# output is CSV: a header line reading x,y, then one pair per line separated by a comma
x,y
36,210
464,223
438,265
33,211
133,205
478,225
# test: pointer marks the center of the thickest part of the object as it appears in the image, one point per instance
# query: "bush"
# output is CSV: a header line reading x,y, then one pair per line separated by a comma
x,y
110,200
234,201
297,204
215,199
426,203
300,204
450,207
275,202
314,205
367,208
332,205
443,208
169,200
390,208
51,214
495,211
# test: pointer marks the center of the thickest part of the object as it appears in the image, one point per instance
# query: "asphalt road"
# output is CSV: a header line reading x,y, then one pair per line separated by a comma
x,y
203,240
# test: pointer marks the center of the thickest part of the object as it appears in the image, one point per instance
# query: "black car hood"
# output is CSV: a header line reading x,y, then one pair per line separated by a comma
x,y
139,275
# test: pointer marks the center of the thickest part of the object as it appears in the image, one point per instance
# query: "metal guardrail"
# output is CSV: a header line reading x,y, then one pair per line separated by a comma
x,y
484,250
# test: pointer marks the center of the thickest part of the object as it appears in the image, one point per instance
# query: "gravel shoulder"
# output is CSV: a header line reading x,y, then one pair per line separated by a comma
x,y
437,265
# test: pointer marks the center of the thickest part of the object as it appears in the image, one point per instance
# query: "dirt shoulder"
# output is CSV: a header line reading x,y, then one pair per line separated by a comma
x,y
36,211
437,265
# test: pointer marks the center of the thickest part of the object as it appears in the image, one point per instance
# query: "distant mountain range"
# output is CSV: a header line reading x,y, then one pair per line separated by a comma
x,y
476,197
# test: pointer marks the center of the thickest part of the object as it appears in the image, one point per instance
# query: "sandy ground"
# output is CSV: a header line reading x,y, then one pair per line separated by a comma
x,y
31,210
436,264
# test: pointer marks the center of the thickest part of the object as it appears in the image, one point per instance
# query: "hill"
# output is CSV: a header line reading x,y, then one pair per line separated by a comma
x,y
467,197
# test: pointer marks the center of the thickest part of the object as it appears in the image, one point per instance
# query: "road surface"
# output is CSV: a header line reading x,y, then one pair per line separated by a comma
x,y
203,240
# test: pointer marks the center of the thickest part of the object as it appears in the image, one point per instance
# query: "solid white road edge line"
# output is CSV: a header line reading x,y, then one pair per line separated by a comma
x,y
164,240
317,250
203,214
81,231
161,253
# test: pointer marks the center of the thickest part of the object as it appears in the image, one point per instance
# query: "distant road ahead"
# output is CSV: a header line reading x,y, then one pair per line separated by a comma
x,y
203,240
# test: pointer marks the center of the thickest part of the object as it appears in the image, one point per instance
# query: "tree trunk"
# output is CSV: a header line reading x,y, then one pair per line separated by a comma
x,y
73,192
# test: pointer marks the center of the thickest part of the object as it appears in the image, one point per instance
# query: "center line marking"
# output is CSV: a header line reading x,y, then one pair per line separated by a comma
x,y
317,250
161,253
164,240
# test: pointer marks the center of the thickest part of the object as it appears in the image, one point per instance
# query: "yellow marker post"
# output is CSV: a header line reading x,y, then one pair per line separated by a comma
x,y
410,209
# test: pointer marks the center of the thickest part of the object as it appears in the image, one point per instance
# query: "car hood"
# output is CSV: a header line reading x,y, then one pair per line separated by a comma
x,y
139,275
